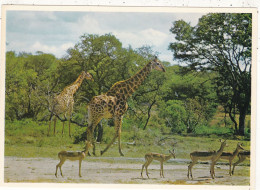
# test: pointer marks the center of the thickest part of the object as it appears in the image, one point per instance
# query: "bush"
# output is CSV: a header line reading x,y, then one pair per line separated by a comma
x,y
174,114
213,130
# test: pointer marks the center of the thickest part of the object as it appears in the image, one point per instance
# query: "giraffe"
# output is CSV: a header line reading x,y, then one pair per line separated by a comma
x,y
113,104
63,102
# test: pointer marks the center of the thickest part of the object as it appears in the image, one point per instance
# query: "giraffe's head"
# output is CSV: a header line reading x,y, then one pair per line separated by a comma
x,y
88,76
157,65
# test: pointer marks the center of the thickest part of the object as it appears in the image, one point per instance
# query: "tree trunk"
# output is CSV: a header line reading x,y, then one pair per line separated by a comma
x,y
149,114
242,118
100,132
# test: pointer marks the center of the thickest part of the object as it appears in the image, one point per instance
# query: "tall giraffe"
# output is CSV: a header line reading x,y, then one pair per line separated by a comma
x,y
113,104
63,102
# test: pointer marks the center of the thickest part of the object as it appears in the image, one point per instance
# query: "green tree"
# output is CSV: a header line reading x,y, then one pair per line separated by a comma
x,y
27,80
220,42
190,91
174,113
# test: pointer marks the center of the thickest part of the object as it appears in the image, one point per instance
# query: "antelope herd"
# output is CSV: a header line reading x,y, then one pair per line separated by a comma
x,y
212,156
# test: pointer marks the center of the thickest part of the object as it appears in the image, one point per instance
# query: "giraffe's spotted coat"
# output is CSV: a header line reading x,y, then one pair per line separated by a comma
x,y
63,103
113,104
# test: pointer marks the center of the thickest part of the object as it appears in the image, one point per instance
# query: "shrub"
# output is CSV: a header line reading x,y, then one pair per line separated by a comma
x,y
213,130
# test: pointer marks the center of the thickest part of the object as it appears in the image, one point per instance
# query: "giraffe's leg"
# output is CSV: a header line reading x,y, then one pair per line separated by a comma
x,y
119,137
63,123
90,133
90,136
50,124
102,152
118,123
69,129
54,129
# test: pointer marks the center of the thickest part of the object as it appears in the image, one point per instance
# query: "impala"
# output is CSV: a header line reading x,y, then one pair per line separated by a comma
x,y
72,155
213,156
149,157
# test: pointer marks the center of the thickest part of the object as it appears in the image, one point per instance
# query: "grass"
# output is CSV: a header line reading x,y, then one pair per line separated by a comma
x,y
28,138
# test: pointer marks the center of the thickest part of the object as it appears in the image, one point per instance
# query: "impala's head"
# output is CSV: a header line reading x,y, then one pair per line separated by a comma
x,y
88,76
157,65
172,153
223,143
239,146
88,144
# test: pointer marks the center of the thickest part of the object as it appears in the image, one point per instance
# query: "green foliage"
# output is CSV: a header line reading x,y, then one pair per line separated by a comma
x,y
187,100
27,81
174,114
220,42
24,139
213,130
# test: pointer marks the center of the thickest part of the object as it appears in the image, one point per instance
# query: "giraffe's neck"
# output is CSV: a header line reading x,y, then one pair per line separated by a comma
x,y
127,87
72,89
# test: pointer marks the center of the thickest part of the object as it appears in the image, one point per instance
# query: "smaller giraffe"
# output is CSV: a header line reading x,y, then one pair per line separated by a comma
x,y
63,103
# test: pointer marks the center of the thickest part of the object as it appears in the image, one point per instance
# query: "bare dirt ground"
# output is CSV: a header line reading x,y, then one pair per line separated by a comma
x,y
121,170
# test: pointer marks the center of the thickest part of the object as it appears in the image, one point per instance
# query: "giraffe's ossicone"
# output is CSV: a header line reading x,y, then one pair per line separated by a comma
x,y
113,104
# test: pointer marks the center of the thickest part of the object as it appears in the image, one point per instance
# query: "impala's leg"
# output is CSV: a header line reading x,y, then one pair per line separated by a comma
x,y
188,174
146,167
62,162
118,123
57,166
230,163
80,160
161,172
190,168
241,159
212,172
143,168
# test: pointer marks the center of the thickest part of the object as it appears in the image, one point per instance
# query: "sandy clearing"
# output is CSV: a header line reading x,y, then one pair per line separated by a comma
x,y
117,171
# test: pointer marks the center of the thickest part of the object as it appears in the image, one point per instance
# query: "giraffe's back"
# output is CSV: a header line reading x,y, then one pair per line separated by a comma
x,y
102,105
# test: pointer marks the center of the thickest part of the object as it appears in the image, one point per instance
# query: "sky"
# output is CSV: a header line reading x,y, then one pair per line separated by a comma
x,y
56,31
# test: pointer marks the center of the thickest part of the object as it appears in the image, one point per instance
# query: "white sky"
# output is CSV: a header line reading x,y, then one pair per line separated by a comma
x,y
55,32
